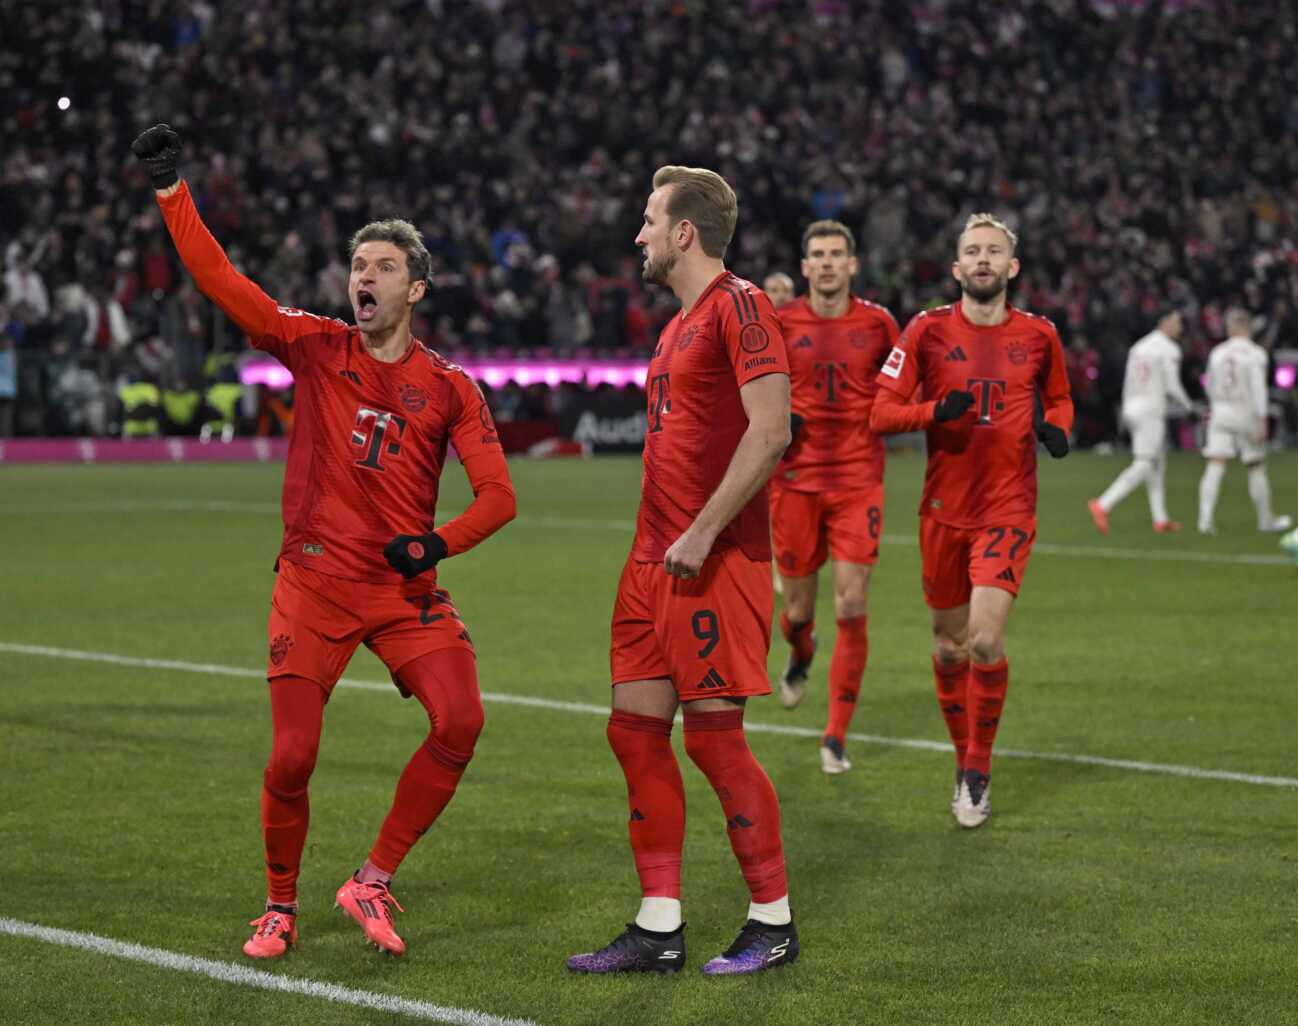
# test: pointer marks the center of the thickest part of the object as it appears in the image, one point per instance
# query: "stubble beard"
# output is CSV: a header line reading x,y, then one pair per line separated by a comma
x,y
656,271
985,293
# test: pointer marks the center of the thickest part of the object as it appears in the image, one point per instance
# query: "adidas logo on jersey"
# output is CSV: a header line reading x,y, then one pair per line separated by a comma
x,y
956,354
1007,575
803,343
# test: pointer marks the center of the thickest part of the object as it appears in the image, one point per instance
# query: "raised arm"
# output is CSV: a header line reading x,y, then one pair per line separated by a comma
x,y
267,324
247,305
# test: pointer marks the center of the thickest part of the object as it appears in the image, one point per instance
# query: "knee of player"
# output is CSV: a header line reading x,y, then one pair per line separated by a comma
x,y
289,770
458,728
948,650
986,646
714,750
849,604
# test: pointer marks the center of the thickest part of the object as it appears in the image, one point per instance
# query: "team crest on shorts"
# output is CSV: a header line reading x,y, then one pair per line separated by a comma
x,y
413,398
1017,353
279,649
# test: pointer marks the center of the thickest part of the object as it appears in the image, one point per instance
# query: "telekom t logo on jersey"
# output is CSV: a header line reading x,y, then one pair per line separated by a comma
x,y
989,393
371,433
830,373
660,391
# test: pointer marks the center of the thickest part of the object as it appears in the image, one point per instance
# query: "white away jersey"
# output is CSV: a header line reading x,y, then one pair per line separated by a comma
x,y
1153,375
1237,383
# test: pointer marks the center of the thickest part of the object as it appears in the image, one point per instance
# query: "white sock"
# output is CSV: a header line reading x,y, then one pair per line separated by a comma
x,y
1209,489
772,913
662,915
1157,494
1124,484
1259,490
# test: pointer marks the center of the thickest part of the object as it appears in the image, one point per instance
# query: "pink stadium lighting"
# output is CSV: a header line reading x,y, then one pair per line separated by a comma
x,y
617,373
1285,376
495,372
270,373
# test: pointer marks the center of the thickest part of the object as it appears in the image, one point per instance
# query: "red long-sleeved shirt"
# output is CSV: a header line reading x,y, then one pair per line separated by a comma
x,y
982,468
370,438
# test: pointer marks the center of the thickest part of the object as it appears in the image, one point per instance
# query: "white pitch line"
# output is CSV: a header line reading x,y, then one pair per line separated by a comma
x,y
616,524
227,972
758,727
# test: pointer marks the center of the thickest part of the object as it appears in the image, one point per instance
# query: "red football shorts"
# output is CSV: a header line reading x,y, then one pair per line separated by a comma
x,y
806,527
316,622
709,635
957,560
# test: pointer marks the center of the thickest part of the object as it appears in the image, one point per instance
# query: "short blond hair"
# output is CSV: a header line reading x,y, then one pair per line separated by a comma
x,y
985,220
703,198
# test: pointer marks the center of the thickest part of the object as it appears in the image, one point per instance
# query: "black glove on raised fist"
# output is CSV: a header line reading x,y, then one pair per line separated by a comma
x,y
158,147
1053,438
952,406
411,554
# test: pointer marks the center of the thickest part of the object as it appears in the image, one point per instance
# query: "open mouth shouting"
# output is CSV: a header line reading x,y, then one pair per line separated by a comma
x,y
367,305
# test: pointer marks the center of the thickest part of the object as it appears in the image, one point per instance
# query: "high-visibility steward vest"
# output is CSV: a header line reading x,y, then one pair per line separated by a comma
x,y
139,409
181,407
222,404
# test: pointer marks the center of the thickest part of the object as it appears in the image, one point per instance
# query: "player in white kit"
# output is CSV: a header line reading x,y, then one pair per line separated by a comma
x,y
1153,377
1237,397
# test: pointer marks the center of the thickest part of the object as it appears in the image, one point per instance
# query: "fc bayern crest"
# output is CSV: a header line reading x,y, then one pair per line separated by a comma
x,y
857,339
413,398
753,338
687,336
279,648
1017,353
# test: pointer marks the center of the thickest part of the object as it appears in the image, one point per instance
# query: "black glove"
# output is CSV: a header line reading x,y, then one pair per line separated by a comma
x,y
411,554
796,421
953,406
158,147
1053,438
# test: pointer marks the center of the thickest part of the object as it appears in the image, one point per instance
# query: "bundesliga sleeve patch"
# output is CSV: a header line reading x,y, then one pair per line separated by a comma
x,y
894,363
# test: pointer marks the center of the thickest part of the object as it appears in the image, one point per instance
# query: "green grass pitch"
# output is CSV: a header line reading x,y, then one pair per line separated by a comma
x,y
1095,895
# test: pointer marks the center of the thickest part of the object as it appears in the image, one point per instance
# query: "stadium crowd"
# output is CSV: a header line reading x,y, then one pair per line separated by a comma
x,y
1141,149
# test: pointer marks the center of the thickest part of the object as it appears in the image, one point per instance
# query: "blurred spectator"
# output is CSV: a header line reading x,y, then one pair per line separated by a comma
x,y
8,383
1083,380
779,287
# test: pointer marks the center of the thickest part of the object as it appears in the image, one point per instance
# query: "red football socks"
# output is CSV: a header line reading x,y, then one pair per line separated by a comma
x,y
296,711
799,636
952,698
716,743
446,684
846,668
987,686
656,797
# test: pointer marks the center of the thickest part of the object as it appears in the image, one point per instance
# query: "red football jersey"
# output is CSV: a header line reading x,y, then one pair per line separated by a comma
x,y
834,365
729,337
982,468
369,438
